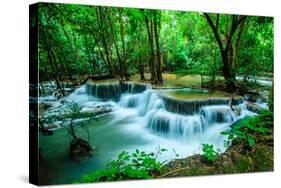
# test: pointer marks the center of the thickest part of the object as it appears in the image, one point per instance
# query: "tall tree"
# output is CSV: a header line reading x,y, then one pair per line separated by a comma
x,y
228,42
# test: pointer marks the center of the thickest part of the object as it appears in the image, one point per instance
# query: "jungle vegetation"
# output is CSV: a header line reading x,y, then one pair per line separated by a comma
x,y
78,41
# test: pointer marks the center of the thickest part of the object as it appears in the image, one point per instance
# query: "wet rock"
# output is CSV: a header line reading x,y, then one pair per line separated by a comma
x,y
190,107
237,110
253,96
113,91
45,106
80,149
98,110
253,107
47,131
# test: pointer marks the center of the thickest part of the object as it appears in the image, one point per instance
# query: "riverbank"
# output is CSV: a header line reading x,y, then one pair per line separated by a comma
x,y
236,159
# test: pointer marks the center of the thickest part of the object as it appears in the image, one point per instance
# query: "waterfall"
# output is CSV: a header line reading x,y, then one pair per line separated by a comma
x,y
104,91
176,126
190,107
219,114
160,115
143,102
187,127
113,91
161,119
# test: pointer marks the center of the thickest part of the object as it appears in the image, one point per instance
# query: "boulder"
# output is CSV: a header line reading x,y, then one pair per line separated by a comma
x,y
253,107
80,149
98,110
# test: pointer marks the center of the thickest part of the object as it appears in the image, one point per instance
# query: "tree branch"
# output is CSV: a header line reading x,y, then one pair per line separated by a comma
x,y
215,31
236,21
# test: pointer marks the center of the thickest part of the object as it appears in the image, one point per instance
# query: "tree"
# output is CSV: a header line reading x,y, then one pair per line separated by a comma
x,y
152,21
228,43
79,147
78,42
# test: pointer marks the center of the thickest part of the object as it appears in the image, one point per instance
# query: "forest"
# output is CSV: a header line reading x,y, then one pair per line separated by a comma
x,y
196,86
79,41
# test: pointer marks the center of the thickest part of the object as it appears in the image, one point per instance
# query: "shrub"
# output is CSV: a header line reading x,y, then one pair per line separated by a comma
x,y
138,165
250,128
208,152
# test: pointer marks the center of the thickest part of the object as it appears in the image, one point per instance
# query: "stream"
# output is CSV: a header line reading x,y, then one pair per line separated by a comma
x,y
138,119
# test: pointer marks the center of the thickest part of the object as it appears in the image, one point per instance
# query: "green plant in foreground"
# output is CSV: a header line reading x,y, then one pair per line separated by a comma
x,y
208,152
138,165
250,128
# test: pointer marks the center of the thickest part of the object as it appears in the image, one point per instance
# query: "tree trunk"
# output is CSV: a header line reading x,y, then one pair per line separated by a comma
x,y
228,52
100,19
159,66
114,38
152,63
123,45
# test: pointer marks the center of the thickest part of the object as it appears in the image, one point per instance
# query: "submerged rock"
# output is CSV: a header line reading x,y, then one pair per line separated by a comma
x,y
80,149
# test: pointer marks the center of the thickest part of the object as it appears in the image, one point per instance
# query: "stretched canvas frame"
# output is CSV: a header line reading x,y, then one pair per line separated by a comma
x,y
164,115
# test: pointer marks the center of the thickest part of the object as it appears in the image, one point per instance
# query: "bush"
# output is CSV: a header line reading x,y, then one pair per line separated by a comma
x,y
250,128
208,152
138,165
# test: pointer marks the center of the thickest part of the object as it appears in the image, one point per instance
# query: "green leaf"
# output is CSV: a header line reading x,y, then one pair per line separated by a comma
x,y
251,141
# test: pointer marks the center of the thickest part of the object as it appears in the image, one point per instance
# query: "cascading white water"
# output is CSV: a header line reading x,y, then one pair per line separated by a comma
x,y
143,102
213,114
149,106
137,119
174,126
145,116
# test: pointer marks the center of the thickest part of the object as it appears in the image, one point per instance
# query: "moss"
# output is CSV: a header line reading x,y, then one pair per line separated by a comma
x,y
264,158
235,160
201,171
190,94
244,164
229,169
105,81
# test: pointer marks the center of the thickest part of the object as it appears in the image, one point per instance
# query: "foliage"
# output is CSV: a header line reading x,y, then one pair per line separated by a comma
x,y
79,40
256,50
66,115
138,165
209,152
250,128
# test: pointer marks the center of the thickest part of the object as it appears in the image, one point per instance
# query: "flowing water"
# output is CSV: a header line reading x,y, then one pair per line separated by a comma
x,y
139,120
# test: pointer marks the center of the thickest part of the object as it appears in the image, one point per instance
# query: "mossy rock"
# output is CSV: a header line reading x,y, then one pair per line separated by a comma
x,y
80,149
263,156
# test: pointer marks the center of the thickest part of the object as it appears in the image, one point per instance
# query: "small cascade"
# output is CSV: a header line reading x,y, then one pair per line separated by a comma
x,y
191,107
160,115
217,114
113,91
187,127
202,115
105,91
143,102
78,96
174,125
136,87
